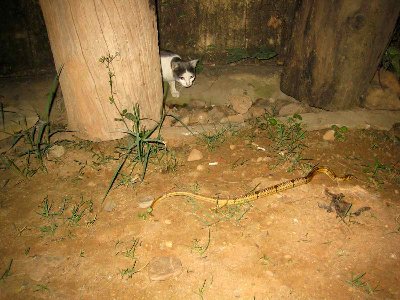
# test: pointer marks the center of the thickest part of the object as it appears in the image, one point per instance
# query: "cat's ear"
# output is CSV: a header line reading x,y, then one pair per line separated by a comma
x,y
174,65
193,63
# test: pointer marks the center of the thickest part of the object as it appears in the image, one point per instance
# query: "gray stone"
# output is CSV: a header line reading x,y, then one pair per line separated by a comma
x,y
195,155
109,206
239,118
256,111
197,104
164,267
291,109
56,151
146,201
240,103
329,135
200,117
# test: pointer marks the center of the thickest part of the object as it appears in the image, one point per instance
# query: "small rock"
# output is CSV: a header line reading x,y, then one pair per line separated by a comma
x,y
257,111
164,267
91,183
185,120
259,159
197,104
287,257
329,135
291,109
232,147
168,244
42,266
109,206
200,168
233,119
269,273
216,114
168,222
168,122
146,202
237,293
240,103
200,117
261,102
56,151
195,155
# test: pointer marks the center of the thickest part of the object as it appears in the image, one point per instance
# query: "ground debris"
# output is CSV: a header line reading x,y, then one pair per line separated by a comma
x,y
341,207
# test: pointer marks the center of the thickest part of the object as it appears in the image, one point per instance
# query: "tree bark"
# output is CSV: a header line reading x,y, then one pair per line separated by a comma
x,y
335,50
80,32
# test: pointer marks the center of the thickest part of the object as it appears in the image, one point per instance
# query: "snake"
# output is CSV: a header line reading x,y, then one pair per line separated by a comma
x,y
271,190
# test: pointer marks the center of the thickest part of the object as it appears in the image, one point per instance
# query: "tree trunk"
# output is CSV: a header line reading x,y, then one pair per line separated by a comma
x,y
80,32
335,50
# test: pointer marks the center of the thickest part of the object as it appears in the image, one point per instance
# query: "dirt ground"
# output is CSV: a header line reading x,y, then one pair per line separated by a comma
x,y
59,241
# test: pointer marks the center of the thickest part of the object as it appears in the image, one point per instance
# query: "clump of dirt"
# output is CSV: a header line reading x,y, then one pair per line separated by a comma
x,y
58,240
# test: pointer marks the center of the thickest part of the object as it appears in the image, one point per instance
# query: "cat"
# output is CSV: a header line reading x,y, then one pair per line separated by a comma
x,y
173,69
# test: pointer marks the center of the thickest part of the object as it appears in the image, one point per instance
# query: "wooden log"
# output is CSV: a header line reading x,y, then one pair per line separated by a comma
x,y
80,32
335,49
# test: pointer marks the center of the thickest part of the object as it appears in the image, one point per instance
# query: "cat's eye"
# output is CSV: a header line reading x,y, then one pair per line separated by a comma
x,y
191,76
181,78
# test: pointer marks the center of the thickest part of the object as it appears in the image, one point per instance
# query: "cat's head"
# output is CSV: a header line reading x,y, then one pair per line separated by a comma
x,y
184,71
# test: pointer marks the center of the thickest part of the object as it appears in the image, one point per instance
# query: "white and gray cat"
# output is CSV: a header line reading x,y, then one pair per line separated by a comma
x,y
175,69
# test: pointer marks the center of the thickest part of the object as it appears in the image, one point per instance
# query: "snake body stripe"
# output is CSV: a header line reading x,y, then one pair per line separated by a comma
x,y
283,186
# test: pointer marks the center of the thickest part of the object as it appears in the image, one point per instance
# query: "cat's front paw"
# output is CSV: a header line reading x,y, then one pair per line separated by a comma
x,y
175,94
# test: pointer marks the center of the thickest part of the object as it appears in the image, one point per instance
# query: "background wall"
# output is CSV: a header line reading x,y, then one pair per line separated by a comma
x,y
205,26
24,45
189,27
192,28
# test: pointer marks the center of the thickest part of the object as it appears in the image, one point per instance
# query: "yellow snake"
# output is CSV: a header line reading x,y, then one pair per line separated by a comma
x,y
271,190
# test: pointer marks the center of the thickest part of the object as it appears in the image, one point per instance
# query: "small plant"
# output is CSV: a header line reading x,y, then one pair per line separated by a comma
x,y
46,208
36,139
391,60
167,160
201,249
7,271
238,54
41,288
131,254
339,132
140,146
131,251
265,260
78,210
129,272
202,289
57,218
375,170
357,281
49,229
213,139
287,140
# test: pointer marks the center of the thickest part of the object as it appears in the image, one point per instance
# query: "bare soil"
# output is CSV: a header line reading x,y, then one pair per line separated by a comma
x,y
281,247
